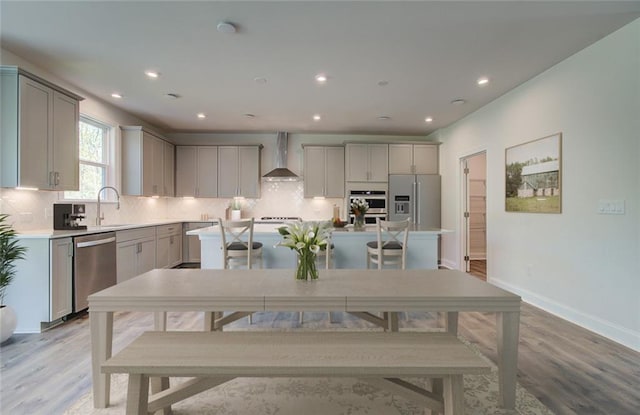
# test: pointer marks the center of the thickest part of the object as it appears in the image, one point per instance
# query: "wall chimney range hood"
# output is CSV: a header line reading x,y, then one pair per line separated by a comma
x,y
281,173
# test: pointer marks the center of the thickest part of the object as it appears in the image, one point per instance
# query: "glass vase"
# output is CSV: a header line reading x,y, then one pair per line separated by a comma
x,y
358,222
306,269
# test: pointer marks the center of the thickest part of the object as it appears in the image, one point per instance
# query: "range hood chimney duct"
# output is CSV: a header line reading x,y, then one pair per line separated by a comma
x,y
281,172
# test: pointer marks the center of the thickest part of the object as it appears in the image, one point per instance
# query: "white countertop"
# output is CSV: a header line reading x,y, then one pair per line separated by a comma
x,y
272,228
53,234
263,228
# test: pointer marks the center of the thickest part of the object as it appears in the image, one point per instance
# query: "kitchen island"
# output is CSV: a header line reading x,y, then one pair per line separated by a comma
x,y
349,251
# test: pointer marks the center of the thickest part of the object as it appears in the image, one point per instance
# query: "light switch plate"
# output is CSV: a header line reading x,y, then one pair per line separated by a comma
x,y
611,207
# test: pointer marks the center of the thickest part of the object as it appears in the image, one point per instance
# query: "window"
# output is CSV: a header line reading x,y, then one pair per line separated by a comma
x,y
95,159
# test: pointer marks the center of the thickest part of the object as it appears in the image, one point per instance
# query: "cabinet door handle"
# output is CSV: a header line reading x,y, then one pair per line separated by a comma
x,y
171,240
52,180
139,248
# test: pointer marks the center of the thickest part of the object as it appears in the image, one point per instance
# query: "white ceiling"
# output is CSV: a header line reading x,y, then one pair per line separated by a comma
x,y
430,53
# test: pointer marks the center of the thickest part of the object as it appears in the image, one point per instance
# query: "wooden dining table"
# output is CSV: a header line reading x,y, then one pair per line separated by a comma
x,y
361,292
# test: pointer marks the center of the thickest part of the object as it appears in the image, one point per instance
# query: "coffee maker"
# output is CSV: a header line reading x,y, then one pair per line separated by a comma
x,y
67,215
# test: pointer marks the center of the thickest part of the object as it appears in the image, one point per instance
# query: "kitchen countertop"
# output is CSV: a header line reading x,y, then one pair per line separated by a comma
x,y
269,228
54,234
258,228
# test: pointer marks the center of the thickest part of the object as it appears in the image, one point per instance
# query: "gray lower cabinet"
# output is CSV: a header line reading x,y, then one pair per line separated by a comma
x,y
41,291
168,245
135,252
61,278
191,243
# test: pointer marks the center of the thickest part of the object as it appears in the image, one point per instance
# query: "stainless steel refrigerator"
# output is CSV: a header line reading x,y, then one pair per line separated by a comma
x,y
416,197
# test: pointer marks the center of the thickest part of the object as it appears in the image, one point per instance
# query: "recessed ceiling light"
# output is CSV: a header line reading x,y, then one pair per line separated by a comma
x,y
152,74
321,78
383,83
458,101
483,81
384,118
172,95
116,95
226,27
316,117
428,119
201,115
249,115
260,80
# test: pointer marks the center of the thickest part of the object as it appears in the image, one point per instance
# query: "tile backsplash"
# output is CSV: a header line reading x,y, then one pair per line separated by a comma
x,y
32,210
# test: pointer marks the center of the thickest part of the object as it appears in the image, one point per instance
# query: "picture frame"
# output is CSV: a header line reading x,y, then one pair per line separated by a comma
x,y
533,176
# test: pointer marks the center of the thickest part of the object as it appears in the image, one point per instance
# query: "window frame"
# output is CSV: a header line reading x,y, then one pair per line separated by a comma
x,y
108,164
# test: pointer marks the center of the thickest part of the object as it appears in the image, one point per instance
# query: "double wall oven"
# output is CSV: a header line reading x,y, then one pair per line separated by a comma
x,y
377,200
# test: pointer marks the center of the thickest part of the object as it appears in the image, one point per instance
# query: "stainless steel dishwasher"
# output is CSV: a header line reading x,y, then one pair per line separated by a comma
x,y
94,266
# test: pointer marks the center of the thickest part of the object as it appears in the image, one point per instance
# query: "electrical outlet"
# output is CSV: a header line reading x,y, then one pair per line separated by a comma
x,y
611,207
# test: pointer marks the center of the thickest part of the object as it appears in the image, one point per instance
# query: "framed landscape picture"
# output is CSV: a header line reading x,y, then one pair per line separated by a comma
x,y
534,176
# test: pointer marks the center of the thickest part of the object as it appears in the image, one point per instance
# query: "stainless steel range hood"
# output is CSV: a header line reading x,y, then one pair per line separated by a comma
x,y
281,173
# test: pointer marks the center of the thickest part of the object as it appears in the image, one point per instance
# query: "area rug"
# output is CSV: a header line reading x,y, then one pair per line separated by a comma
x,y
317,396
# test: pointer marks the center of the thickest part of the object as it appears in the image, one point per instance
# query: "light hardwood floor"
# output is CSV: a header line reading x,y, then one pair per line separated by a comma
x,y
569,369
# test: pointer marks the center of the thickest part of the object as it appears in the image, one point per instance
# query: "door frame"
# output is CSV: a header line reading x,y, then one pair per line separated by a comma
x,y
464,203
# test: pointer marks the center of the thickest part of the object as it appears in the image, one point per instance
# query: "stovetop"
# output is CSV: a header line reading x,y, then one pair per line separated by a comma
x,y
278,219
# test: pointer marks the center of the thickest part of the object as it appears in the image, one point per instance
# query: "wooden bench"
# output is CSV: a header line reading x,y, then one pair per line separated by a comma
x,y
213,358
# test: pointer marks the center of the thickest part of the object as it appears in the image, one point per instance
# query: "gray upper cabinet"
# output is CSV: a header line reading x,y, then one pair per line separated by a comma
x,y
197,171
169,169
144,163
367,162
413,159
324,171
39,133
239,171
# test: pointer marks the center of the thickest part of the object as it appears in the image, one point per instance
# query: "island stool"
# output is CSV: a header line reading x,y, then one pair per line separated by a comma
x,y
390,246
238,246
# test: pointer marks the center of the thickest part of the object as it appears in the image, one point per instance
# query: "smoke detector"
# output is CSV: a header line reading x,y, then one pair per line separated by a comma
x,y
226,27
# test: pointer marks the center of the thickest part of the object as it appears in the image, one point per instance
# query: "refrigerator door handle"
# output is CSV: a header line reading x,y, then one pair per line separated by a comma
x,y
418,205
414,205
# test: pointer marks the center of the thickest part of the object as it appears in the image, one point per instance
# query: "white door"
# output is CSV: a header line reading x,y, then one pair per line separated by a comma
x,y
474,214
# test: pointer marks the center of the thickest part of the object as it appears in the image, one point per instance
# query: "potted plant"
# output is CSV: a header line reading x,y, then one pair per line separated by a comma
x,y
236,212
10,251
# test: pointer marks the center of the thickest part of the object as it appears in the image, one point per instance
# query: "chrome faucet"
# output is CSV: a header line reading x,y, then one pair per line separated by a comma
x,y
100,217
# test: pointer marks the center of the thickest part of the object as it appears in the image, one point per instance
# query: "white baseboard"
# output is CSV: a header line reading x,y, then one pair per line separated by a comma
x,y
448,264
618,334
